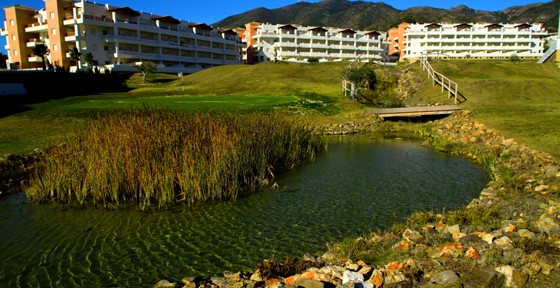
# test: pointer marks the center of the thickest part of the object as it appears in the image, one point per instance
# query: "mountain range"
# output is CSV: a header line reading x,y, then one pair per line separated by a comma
x,y
363,15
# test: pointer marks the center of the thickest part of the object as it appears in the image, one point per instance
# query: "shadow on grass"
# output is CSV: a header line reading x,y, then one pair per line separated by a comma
x,y
44,86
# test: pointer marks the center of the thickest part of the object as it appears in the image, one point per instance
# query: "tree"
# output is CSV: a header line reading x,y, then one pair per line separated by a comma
x,y
363,76
76,56
3,58
88,58
514,58
42,51
146,67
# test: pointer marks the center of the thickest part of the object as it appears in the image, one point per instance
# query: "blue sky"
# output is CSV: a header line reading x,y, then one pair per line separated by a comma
x,y
211,11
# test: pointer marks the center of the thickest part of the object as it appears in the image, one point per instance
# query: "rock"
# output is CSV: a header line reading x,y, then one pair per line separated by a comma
x,y
526,234
329,256
308,283
472,253
513,277
365,270
353,277
165,284
393,276
402,245
396,265
503,242
219,281
452,229
472,240
445,277
487,237
353,267
256,276
547,225
482,278
509,228
448,250
541,188
412,235
377,279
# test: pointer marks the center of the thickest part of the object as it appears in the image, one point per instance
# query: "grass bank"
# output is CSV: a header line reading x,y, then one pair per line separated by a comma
x,y
155,157
519,100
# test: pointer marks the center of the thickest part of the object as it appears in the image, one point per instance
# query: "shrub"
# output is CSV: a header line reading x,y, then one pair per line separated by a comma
x,y
313,60
514,58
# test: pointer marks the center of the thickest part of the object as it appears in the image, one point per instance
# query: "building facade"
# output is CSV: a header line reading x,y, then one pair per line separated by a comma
x,y
281,42
468,40
117,37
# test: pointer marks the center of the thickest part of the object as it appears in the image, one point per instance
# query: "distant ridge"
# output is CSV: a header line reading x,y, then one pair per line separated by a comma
x,y
380,16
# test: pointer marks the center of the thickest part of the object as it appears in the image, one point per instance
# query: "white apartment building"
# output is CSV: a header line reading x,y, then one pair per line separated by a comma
x,y
117,37
473,40
286,42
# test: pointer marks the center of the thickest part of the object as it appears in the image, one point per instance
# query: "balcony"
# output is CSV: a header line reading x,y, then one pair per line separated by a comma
x,y
34,58
36,27
31,43
4,32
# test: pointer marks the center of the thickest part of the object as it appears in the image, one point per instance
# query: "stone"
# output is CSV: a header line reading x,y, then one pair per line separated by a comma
x,y
452,229
509,228
547,225
365,270
486,237
472,240
351,276
377,278
412,235
219,281
396,265
402,245
256,276
526,234
472,253
448,250
541,188
458,235
503,242
393,276
353,267
308,283
165,284
513,277
445,277
482,278
329,256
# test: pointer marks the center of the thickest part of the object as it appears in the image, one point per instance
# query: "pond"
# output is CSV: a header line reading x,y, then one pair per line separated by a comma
x,y
361,184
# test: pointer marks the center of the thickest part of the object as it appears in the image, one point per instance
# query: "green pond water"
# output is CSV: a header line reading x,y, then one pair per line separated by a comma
x,y
359,185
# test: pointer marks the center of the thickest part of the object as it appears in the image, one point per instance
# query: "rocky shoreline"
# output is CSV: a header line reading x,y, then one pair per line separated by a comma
x,y
508,237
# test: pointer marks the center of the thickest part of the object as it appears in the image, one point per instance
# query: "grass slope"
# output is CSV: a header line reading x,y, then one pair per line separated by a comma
x,y
237,87
520,100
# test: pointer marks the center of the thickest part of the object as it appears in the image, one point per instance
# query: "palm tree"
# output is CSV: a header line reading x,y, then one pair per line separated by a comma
x,y
3,58
77,56
88,58
41,50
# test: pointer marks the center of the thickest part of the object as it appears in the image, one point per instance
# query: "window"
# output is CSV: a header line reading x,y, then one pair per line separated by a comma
x,y
53,31
52,15
55,47
14,37
12,22
15,53
106,48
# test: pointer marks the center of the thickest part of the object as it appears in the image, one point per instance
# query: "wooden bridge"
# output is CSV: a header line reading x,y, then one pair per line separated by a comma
x,y
414,111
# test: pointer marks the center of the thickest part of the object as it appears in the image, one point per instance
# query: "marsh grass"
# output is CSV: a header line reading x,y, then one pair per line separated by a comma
x,y
155,157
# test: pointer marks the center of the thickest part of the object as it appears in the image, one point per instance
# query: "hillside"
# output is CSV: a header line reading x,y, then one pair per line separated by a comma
x,y
380,16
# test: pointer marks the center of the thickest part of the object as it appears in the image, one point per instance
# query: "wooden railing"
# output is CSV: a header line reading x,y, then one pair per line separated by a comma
x,y
446,84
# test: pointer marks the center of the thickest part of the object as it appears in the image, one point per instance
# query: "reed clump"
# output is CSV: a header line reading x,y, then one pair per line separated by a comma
x,y
154,157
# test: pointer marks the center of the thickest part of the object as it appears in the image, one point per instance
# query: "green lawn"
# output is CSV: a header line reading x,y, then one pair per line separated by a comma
x,y
520,100
267,86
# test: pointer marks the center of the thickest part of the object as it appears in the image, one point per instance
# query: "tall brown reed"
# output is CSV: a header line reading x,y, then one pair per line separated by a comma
x,y
160,158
